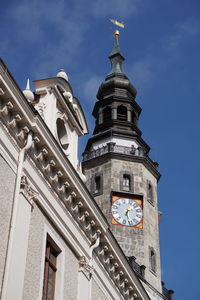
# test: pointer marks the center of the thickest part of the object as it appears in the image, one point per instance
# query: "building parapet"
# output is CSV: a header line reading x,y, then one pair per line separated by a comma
x,y
111,147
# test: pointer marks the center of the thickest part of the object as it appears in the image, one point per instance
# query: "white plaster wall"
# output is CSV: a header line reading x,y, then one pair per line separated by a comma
x,y
73,149
71,138
97,293
33,283
49,114
7,179
50,110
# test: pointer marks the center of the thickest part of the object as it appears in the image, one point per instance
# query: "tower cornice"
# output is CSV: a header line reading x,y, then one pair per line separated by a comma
x,y
94,160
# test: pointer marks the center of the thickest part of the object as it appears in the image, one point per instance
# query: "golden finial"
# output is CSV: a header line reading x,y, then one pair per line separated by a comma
x,y
116,33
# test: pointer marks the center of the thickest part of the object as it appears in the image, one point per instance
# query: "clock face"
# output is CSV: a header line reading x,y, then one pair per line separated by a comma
x,y
126,212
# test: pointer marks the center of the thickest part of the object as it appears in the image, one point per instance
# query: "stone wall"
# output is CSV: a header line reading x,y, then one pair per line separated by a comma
x,y
133,241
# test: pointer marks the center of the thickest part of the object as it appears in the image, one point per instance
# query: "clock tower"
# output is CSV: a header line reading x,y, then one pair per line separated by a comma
x,y
120,174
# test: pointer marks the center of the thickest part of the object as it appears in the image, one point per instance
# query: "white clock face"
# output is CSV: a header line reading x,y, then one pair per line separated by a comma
x,y
126,212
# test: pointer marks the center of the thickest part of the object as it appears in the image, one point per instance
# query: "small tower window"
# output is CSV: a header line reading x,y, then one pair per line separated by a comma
x,y
149,192
107,114
126,182
122,113
97,184
152,259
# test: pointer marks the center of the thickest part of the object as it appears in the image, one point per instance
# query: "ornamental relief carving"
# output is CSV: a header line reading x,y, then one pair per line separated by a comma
x,y
29,193
40,108
85,268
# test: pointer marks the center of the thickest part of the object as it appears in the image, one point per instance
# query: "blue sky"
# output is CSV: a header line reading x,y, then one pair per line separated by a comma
x,y
161,44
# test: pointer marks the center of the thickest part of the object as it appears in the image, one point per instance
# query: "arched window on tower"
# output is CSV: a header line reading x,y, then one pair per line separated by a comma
x,y
152,260
126,182
107,114
122,113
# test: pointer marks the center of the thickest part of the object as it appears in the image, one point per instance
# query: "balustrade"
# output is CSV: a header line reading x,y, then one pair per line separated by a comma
x,y
113,148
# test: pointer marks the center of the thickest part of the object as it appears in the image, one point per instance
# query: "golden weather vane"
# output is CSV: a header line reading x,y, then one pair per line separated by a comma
x,y
120,24
117,23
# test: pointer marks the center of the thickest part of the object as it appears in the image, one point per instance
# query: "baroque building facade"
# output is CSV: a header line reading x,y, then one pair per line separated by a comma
x,y
68,233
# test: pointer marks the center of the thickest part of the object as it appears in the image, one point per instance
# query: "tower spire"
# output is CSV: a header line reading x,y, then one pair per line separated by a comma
x,y
116,57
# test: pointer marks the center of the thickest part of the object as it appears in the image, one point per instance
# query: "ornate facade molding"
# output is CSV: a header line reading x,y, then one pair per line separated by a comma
x,y
41,107
29,193
85,268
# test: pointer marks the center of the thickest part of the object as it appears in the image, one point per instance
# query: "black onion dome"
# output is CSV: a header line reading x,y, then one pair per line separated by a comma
x,y
116,79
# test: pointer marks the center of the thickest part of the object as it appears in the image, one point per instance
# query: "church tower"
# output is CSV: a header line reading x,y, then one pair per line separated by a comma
x,y
120,174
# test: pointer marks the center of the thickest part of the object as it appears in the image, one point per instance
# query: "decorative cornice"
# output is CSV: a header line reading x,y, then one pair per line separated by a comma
x,y
146,161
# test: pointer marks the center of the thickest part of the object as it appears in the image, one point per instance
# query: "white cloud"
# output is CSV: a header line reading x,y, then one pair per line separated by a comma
x,y
143,71
182,33
115,8
90,88
55,30
26,17
47,27
163,53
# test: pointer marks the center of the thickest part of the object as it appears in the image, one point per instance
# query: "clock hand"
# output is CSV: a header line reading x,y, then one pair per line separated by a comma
x,y
128,216
128,209
127,213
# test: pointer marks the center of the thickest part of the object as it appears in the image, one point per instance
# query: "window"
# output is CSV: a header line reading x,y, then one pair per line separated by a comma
x,y
152,258
149,192
122,113
107,114
50,270
62,133
97,184
126,182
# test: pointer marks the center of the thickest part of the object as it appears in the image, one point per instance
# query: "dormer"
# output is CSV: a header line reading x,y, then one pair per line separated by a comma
x,y
62,112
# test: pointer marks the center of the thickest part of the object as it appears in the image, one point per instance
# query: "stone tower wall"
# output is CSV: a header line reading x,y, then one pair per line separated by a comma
x,y
133,241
